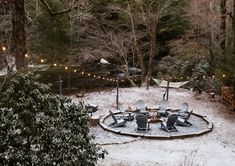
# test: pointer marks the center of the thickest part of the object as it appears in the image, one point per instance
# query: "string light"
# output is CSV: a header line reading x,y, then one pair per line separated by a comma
x,y
4,48
110,79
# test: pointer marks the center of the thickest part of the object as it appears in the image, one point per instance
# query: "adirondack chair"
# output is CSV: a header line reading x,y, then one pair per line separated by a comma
x,y
117,122
184,121
163,106
142,123
183,113
128,116
141,106
169,125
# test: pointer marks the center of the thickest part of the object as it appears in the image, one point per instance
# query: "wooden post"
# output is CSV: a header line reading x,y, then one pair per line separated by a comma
x,y
167,90
60,83
147,87
117,92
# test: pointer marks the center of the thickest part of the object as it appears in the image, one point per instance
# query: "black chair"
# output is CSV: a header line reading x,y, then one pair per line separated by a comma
x,y
183,121
169,125
117,122
142,123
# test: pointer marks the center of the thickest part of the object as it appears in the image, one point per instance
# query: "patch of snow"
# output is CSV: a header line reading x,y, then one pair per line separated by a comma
x,y
215,148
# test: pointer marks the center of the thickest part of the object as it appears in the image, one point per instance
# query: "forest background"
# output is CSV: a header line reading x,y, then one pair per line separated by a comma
x,y
176,40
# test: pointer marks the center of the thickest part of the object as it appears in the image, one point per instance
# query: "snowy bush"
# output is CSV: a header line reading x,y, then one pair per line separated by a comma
x,y
38,127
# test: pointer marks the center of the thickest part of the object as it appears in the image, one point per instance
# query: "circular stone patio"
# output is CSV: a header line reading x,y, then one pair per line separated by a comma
x,y
200,125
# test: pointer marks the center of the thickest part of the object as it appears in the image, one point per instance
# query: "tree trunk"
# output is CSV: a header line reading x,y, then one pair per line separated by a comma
x,y
136,49
223,13
152,52
18,34
233,26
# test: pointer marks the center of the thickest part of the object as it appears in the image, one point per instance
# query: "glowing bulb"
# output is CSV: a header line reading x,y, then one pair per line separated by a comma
x,y
4,48
42,60
55,64
204,76
213,76
94,76
75,70
26,55
224,75
88,74
82,73
66,68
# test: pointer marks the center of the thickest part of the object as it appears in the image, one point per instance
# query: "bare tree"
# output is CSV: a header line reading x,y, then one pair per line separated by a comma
x,y
150,13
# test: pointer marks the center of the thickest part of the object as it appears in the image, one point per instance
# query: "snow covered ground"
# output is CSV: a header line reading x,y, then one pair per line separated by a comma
x,y
213,149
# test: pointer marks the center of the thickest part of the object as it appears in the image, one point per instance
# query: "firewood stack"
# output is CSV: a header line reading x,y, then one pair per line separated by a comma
x,y
228,96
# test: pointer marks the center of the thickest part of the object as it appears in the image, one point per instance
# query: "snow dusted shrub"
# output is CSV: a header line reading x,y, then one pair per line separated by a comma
x,y
38,127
